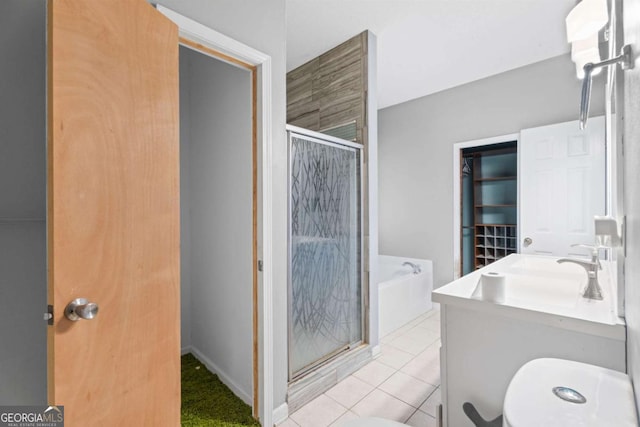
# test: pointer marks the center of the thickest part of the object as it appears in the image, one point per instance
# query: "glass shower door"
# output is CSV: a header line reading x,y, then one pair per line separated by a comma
x,y
325,244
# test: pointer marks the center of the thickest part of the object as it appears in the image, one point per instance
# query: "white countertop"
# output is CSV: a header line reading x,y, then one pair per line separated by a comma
x,y
538,289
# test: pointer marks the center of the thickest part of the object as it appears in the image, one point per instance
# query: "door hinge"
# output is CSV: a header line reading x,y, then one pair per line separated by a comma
x,y
48,316
260,265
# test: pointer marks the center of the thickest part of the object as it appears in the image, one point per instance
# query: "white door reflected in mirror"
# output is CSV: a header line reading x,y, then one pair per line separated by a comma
x,y
562,186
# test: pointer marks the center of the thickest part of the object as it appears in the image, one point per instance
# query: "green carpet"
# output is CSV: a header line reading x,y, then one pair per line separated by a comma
x,y
206,401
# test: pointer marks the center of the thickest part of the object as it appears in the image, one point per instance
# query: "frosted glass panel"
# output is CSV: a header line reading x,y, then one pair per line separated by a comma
x,y
325,303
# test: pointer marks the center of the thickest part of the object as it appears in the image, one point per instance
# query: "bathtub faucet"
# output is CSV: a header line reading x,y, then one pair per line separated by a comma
x,y
416,267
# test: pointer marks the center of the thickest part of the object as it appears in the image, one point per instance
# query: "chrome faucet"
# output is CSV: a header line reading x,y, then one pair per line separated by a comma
x,y
416,267
595,255
593,290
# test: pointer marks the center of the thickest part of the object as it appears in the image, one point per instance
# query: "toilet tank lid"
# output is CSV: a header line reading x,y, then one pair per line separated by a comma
x,y
530,400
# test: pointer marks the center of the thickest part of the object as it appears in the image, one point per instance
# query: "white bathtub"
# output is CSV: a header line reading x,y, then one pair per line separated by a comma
x,y
403,296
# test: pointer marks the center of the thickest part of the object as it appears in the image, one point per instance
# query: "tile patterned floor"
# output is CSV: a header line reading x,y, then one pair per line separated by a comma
x,y
402,384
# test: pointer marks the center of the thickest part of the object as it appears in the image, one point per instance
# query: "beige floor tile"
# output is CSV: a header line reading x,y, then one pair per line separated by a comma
x,y
422,335
430,406
434,312
412,348
374,373
380,404
349,415
388,338
320,412
391,356
415,340
417,320
430,323
349,391
407,388
425,366
420,419
394,334
288,423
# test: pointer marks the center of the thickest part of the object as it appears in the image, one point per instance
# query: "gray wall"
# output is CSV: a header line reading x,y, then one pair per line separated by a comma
x,y
261,25
217,234
23,286
415,149
632,192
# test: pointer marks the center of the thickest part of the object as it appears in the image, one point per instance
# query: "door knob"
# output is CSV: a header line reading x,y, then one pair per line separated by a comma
x,y
81,308
527,241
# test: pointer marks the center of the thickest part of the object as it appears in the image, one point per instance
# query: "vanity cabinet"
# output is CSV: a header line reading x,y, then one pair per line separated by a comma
x,y
543,315
482,350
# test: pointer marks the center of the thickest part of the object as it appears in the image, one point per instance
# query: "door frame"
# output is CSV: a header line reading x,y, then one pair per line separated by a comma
x,y
214,44
457,195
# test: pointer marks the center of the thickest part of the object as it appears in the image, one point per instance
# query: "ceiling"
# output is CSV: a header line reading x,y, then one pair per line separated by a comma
x,y
425,46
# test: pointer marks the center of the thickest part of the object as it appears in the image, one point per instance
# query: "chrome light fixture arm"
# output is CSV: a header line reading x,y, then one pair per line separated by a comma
x,y
625,60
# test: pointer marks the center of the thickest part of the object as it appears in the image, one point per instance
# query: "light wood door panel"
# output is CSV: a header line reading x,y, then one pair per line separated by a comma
x,y
113,212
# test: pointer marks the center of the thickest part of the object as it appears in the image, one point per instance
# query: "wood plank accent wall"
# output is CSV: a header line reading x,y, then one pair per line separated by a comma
x,y
331,90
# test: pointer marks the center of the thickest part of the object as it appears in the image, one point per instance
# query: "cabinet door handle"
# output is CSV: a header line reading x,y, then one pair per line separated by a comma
x,y
527,241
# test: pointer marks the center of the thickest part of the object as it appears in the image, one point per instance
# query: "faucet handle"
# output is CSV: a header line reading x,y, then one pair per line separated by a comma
x,y
594,249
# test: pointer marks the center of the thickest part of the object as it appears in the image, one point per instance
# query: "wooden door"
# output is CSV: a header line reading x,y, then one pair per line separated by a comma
x,y
562,186
113,212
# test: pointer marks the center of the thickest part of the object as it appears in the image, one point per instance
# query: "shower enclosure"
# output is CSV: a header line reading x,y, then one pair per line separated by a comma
x,y
326,298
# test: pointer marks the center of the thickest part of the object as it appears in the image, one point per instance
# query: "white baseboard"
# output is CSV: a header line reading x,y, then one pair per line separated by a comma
x,y
375,351
185,350
280,413
246,398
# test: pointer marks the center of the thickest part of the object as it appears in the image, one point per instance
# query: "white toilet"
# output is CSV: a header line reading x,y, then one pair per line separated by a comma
x,y
563,393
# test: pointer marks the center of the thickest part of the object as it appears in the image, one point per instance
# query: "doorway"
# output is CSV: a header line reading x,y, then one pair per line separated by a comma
x,y
213,44
485,201
488,204
217,201
561,175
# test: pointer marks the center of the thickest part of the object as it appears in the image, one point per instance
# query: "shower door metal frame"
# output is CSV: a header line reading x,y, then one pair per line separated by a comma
x,y
309,135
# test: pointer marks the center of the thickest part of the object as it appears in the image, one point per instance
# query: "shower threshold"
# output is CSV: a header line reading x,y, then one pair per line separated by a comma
x,y
321,377
326,359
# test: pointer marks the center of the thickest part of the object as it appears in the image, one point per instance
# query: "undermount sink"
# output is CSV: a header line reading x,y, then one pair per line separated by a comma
x,y
543,291
541,281
544,266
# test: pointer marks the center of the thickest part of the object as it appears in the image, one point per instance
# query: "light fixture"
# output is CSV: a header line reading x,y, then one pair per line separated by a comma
x,y
585,51
586,18
584,23
625,59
